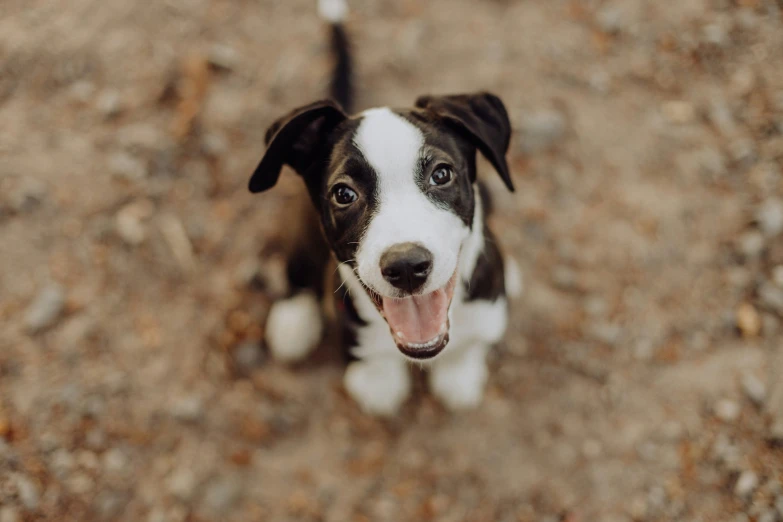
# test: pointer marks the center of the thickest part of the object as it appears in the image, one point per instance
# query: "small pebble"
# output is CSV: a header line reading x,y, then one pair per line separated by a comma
x,y
605,332
223,57
248,356
727,410
188,409
751,244
711,162
746,484
656,499
182,484
109,504
28,492
716,34
771,296
779,505
754,388
114,461
768,516
770,217
542,130
743,150
722,117
644,350
129,222
748,320
600,82
611,18
124,165
214,144
82,91
747,19
45,309
80,483
222,493
596,306
28,195
108,104
679,112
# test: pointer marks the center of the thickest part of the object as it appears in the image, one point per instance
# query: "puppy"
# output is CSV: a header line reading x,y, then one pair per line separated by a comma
x,y
419,275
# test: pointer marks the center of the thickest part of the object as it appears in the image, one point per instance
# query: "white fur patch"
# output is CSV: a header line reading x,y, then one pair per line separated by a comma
x,y
333,11
393,147
378,385
480,321
458,378
294,327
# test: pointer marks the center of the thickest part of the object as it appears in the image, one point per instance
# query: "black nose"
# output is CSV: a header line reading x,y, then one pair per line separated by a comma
x,y
406,266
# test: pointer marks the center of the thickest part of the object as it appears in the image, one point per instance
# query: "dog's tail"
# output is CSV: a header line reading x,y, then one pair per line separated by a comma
x,y
341,85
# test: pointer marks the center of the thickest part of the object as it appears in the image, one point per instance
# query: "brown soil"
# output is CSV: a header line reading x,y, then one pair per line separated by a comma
x,y
637,381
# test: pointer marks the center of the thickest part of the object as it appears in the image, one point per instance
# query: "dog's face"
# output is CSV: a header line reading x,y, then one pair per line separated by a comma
x,y
395,191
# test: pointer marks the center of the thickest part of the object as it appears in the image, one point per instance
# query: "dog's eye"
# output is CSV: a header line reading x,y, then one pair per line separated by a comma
x,y
441,176
344,195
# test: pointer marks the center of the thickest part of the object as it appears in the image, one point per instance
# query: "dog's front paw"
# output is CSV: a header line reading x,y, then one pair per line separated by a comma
x,y
458,381
378,386
294,327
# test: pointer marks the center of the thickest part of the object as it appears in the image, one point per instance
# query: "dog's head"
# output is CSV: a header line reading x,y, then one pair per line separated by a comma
x,y
395,192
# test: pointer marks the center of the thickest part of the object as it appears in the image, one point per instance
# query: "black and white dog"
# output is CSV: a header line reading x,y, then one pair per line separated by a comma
x,y
420,275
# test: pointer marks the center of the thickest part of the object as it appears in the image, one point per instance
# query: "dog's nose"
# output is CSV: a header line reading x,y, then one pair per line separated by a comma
x,y
406,266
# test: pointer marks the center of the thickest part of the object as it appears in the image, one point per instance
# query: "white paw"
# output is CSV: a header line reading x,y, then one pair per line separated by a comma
x,y
294,327
379,386
459,381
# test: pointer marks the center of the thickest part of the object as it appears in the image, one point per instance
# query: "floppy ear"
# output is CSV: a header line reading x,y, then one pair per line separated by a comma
x,y
295,140
482,118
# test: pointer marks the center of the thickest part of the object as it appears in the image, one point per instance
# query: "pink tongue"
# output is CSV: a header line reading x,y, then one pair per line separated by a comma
x,y
417,319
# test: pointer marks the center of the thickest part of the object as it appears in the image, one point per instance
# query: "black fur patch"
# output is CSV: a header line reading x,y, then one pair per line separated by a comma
x,y
487,281
442,147
344,227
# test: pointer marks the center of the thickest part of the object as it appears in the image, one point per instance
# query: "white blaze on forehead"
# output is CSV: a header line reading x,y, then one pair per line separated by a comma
x,y
390,143
393,148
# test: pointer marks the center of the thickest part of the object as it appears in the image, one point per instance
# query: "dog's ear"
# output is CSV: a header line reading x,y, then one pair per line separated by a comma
x,y
482,118
295,140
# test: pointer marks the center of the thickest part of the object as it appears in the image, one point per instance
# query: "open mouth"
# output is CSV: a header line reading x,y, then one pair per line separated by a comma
x,y
419,324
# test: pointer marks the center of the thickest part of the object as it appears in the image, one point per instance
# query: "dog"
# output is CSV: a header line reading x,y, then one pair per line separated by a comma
x,y
395,199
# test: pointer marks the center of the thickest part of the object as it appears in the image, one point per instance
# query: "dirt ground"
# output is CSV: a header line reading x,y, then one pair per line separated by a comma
x,y
638,379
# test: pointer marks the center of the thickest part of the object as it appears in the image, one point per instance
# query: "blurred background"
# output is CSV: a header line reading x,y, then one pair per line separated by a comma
x,y
638,379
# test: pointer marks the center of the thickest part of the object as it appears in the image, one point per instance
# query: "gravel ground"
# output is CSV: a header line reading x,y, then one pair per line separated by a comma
x,y
641,379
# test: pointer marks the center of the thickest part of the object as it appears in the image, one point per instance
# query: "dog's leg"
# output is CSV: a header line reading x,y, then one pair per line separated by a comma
x,y
458,376
295,324
379,385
